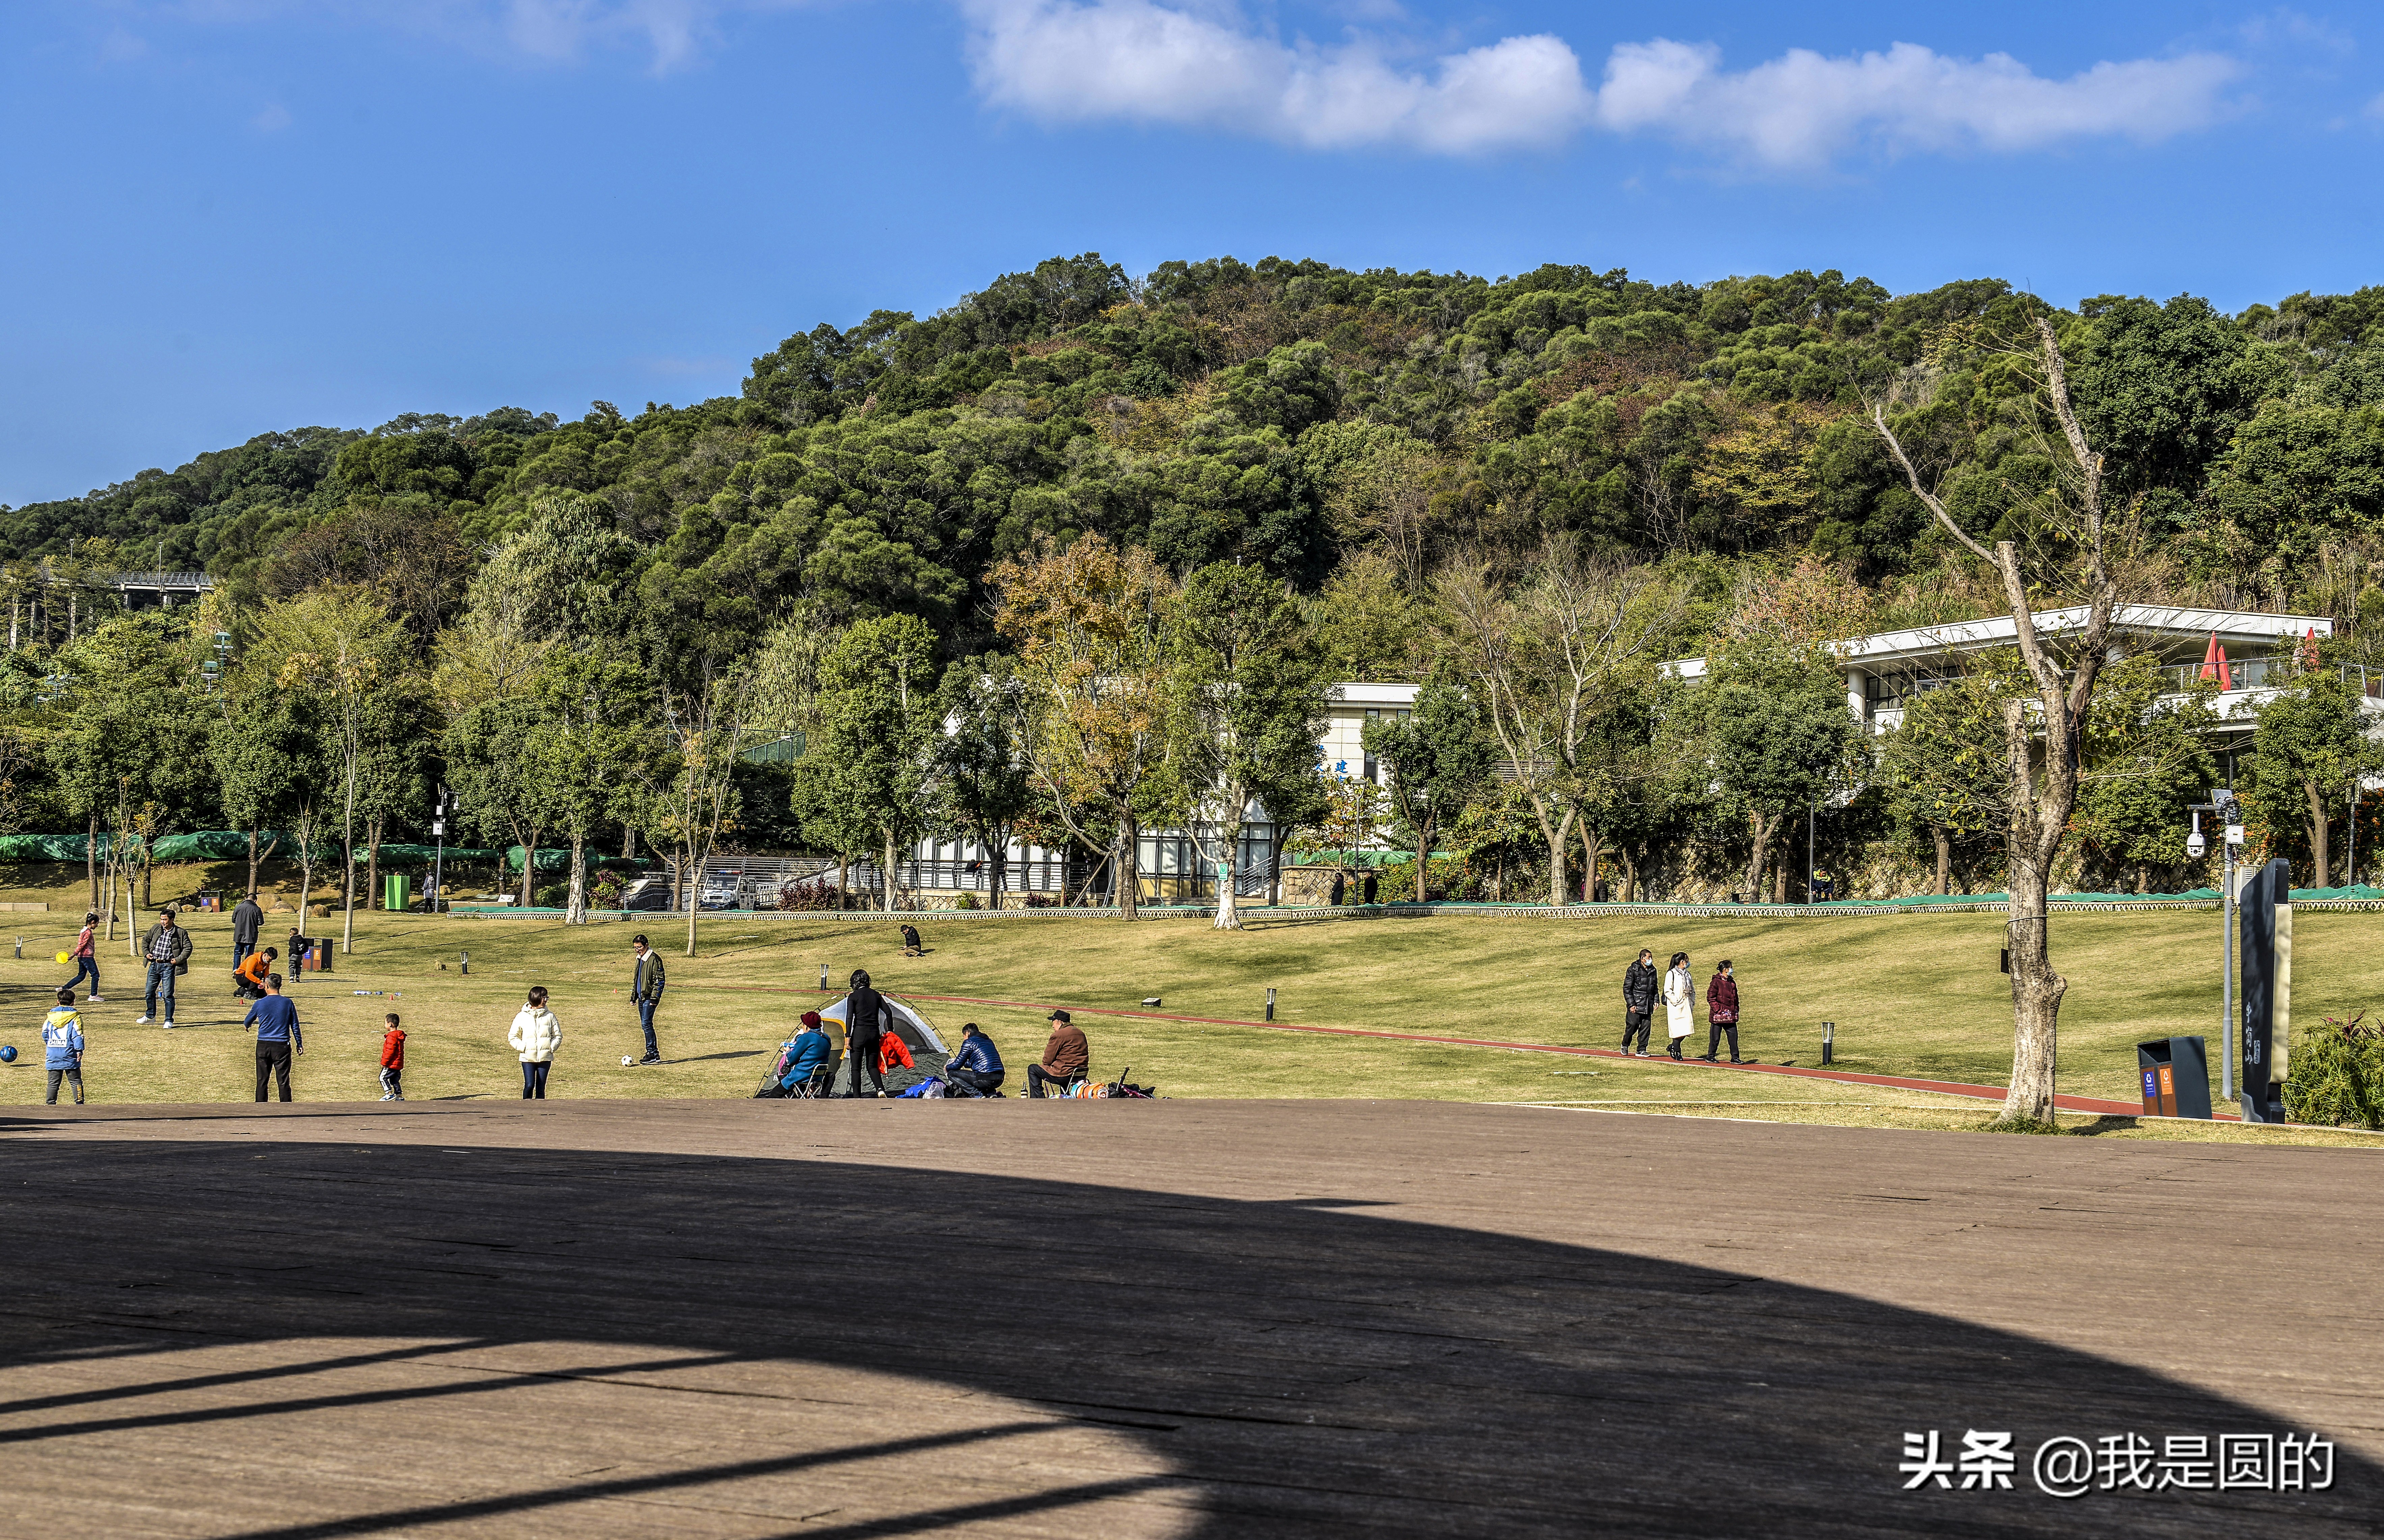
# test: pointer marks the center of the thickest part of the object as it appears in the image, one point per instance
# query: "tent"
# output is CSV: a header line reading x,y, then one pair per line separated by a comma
x,y
914,1029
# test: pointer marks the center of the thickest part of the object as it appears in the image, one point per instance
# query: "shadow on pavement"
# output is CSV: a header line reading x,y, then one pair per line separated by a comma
x,y
1276,1368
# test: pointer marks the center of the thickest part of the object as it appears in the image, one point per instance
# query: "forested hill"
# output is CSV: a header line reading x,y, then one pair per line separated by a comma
x,y
1292,413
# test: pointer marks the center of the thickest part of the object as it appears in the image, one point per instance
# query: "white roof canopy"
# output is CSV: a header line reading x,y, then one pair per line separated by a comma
x,y
2236,629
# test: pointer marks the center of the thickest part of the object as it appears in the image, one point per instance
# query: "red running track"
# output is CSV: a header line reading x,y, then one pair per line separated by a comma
x,y
1895,1082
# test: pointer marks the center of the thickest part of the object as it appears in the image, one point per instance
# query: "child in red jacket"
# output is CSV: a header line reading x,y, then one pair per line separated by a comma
x,y
392,1062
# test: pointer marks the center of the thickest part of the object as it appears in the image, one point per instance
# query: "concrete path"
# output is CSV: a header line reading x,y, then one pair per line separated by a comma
x,y
630,1319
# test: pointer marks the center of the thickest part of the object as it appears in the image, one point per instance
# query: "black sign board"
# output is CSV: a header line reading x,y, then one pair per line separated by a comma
x,y
2267,911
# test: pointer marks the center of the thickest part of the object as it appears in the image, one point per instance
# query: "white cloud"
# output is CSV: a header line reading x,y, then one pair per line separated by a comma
x,y
1063,61
1201,66
1802,108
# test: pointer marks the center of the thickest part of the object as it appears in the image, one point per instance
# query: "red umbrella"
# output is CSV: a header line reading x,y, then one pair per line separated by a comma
x,y
2213,664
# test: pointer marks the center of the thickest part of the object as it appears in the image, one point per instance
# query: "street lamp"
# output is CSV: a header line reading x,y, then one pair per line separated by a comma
x,y
2230,812
439,852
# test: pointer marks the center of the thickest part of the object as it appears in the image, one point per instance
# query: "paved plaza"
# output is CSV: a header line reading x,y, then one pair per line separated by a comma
x,y
1171,1318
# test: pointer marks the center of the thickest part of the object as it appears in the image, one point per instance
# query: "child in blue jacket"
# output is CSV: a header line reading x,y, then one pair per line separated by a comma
x,y
62,1047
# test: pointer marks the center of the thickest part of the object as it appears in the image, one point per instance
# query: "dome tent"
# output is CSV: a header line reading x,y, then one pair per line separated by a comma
x,y
916,1032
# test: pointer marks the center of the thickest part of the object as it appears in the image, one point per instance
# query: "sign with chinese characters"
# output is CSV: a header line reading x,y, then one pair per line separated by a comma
x,y
2070,1467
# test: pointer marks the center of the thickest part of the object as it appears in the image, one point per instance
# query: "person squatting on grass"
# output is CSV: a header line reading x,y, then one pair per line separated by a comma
x,y
1638,1002
866,1017
1721,1012
62,1047
1066,1057
1679,1002
646,991
166,949
86,959
278,1036
249,977
975,1068
536,1035
392,1062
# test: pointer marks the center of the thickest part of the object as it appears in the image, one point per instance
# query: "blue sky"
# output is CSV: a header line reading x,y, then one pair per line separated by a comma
x,y
229,215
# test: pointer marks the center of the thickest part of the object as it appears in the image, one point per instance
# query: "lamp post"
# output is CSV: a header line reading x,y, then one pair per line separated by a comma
x,y
2229,813
439,852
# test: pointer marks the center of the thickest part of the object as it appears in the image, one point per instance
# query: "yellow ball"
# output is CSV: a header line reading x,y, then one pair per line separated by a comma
x,y
65,958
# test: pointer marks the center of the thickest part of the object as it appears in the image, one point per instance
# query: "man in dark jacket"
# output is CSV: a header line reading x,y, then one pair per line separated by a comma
x,y
646,992
167,949
1066,1057
1721,1012
975,1068
247,920
867,1018
1638,1001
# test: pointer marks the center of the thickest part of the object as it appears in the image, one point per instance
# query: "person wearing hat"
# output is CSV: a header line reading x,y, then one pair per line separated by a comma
x,y
167,949
807,1053
1066,1057
866,1019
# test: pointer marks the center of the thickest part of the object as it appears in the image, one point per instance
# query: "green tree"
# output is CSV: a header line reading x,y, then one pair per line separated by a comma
x,y
1779,738
592,740
979,769
1437,759
2309,743
1246,704
878,724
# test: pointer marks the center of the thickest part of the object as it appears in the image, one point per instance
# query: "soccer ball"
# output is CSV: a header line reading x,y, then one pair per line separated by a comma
x,y
65,958
627,1061
7,1053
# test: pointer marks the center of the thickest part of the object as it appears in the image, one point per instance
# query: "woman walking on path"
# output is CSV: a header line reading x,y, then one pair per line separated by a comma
x,y
536,1034
1721,1012
1679,1002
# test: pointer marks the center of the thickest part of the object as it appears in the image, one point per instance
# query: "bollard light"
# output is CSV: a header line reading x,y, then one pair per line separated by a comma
x,y
467,961
1829,1041
1269,1015
823,978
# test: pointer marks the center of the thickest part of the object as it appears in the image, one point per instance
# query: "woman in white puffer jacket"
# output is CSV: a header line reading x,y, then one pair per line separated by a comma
x,y
536,1035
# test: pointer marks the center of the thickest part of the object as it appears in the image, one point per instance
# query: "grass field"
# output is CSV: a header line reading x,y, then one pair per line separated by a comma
x,y
1913,995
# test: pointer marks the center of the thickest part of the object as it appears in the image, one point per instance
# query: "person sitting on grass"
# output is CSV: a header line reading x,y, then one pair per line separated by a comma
x,y
249,977
1066,1057
976,1069
912,945
62,1045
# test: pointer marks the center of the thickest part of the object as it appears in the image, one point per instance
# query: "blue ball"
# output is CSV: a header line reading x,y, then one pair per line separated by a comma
x,y
7,1053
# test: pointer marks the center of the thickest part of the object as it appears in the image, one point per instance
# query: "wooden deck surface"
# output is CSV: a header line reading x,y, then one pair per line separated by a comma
x,y
1186,1318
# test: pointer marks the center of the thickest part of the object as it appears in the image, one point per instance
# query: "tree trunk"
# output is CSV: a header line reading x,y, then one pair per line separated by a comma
x,y
694,897
91,859
886,838
843,880
372,858
529,867
2318,822
1945,859
148,873
1125,868
575,913
2036,994
1558,838
1228,875
628,841
1591,847
1763,828
1278,836
1423,860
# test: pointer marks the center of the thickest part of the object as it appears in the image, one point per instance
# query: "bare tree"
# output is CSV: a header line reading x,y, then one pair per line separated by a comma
x,y
1542,657
2044,787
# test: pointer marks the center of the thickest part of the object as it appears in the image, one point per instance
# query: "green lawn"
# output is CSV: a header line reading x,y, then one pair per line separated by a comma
x,y
1916,995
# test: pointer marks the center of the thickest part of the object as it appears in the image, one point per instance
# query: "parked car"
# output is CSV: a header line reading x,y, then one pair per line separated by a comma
x,y
647,892
724,890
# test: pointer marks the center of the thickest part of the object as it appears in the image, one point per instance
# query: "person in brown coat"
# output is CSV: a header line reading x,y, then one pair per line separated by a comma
x,y
1722,1013
1066,1056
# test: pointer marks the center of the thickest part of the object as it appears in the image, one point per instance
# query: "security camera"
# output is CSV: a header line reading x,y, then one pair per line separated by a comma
x,y
2195,846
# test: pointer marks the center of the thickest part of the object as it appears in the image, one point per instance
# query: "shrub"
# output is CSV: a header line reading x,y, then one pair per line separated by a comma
x,y
1040,900
818,893
605,891
2338,1075
555,895
964,900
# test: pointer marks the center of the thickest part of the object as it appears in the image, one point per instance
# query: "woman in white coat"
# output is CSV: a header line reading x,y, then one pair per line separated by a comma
x,y
536,1034
1679,1002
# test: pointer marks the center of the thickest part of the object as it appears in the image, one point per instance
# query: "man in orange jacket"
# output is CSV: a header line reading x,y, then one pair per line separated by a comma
x,y
249,976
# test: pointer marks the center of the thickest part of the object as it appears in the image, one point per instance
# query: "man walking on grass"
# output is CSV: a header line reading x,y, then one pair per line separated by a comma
x,y
1638,1002
166,949
646,990
247,921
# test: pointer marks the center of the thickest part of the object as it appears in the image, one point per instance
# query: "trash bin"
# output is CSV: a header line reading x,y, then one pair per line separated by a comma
x,y
2174,1074
395,892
